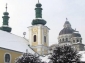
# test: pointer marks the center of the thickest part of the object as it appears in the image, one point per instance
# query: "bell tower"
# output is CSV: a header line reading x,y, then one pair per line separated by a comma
x,y
39,33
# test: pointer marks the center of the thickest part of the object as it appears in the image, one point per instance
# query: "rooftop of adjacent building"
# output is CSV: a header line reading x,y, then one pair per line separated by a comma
x,y
14,42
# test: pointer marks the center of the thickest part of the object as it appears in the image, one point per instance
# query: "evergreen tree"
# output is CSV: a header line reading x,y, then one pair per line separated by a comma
x,y
64,54
28,58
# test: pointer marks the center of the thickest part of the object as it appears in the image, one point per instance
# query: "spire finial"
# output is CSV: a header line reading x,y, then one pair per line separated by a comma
x,y
38,1
66,19
6,7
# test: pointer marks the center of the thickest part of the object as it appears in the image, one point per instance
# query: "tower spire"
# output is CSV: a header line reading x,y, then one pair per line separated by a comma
x,y
5,26
38,10
6,7
38,15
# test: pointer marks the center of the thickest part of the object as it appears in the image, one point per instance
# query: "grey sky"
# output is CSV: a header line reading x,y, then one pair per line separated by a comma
x,y
22,13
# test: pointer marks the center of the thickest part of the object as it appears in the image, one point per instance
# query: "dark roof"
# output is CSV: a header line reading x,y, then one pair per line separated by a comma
x,y
76,35
66,31
38,21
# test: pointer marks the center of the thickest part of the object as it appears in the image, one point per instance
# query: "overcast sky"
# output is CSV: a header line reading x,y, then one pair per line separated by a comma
x,y
55,12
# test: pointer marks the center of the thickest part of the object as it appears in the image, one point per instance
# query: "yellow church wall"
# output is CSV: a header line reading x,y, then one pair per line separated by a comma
x,y
34,43
45,34
40,36
45,44
35,49
13,54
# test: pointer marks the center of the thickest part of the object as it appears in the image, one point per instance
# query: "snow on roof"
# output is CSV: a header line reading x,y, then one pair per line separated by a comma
x,y
14,42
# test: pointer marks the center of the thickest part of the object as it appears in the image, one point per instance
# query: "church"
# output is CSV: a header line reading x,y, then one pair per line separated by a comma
x,y
69,36
12,46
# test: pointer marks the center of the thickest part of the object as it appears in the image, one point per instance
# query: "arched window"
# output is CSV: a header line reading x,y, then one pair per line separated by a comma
x,y
63,39
77,40
80,40
7,58
44,38
34,38
73,40
66,39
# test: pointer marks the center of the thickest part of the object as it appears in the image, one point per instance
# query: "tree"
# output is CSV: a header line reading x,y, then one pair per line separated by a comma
x,y
64,54
28,58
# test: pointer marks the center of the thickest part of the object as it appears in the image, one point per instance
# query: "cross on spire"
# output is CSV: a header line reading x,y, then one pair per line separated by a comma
x,y
38,1
66,19
6,7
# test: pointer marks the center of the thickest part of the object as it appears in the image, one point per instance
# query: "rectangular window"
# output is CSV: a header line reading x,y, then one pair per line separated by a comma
x,y
44,38
34,38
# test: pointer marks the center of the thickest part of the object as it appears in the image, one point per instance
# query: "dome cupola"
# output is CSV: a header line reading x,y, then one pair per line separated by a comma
x,y
67,28
67,24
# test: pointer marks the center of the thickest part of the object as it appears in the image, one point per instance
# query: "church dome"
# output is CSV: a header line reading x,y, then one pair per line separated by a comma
x,y
67,28
66,31
76,34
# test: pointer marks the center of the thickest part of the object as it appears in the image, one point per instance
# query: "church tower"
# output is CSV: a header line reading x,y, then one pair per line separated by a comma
x,y
39,33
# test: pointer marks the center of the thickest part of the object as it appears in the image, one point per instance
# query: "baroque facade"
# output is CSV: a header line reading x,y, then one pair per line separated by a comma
x,y
12,46
69,36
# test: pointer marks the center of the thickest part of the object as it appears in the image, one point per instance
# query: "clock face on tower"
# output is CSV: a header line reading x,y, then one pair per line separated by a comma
x,y
34,30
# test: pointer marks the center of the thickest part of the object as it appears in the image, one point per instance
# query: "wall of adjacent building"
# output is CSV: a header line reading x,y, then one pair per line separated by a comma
x,y
13,54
